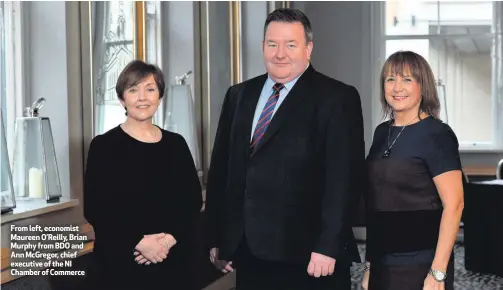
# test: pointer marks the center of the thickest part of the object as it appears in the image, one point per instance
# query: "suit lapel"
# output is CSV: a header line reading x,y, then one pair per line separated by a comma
x,y
293,100
248,104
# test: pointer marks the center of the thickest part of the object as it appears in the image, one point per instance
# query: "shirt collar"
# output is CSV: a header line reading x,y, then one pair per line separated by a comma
x,y
288,86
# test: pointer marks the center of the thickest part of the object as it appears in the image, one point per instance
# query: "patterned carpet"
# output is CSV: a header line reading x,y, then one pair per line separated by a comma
x,y
464,280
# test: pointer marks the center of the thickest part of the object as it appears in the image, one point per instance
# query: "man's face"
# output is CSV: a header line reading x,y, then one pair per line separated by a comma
x,y
286,53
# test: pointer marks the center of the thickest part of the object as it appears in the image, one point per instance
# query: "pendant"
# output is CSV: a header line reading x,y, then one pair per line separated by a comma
x,y
386,154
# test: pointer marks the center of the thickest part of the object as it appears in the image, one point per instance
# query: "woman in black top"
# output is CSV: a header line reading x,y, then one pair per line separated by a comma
x,y
141,193
415,196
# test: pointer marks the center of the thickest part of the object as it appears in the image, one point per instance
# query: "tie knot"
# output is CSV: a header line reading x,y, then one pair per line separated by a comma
x,y
278,87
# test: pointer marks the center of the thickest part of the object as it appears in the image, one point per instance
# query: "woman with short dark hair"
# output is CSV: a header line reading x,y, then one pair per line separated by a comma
x,y
141,193
415,197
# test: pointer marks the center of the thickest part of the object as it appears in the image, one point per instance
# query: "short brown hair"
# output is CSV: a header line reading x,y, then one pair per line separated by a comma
x,y
401,62
290,15
135,72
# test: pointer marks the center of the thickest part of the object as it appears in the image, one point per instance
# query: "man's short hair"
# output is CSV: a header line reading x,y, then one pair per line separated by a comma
x,y
290,15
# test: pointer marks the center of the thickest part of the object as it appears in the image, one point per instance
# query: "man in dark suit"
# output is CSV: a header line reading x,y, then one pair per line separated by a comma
x,y
287,155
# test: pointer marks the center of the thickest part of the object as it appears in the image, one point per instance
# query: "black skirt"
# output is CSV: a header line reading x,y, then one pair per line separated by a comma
x,y
406,271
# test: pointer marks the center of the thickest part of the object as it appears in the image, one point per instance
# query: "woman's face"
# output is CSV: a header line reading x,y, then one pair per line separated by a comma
x,y
142,99
403,93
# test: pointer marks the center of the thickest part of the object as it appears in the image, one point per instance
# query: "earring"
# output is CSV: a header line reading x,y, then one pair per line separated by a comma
x,y
126,111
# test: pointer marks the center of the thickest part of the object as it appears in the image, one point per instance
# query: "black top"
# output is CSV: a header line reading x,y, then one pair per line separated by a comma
x,y
404,207
133,189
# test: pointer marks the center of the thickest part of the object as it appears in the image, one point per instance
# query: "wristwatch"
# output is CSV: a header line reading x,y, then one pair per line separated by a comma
x,y
438,275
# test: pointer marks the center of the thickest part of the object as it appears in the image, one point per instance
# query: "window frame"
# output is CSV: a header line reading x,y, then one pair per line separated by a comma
x,y
89,101
15,68
378,43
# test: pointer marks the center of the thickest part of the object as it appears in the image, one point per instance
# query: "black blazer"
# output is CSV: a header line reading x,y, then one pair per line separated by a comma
x,y
294,193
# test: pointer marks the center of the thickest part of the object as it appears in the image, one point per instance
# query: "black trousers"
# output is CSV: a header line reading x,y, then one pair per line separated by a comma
x,y
253,273
408,271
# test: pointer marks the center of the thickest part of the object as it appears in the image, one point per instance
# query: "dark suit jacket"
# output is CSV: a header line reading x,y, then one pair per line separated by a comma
x,y
293,194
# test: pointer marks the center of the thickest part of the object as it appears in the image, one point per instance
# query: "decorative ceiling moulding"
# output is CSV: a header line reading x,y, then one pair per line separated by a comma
x,y
235,34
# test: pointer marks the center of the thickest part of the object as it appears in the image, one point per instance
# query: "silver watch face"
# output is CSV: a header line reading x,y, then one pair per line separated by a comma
x,y
438,275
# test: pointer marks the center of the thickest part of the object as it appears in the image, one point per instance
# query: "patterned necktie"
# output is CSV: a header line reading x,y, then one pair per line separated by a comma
x,y
266,115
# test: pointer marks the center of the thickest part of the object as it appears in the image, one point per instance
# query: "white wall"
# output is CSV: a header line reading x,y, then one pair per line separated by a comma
x,y
48,75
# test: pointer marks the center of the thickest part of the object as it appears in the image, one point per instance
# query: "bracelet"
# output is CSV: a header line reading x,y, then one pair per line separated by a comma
x,y
366,268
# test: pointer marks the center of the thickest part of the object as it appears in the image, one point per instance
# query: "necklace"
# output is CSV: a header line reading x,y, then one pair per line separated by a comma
x,y
152,139
388,151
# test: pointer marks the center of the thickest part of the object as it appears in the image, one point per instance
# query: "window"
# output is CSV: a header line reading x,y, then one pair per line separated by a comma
x,y
11,93
114,25
3,87
462,43
113,49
